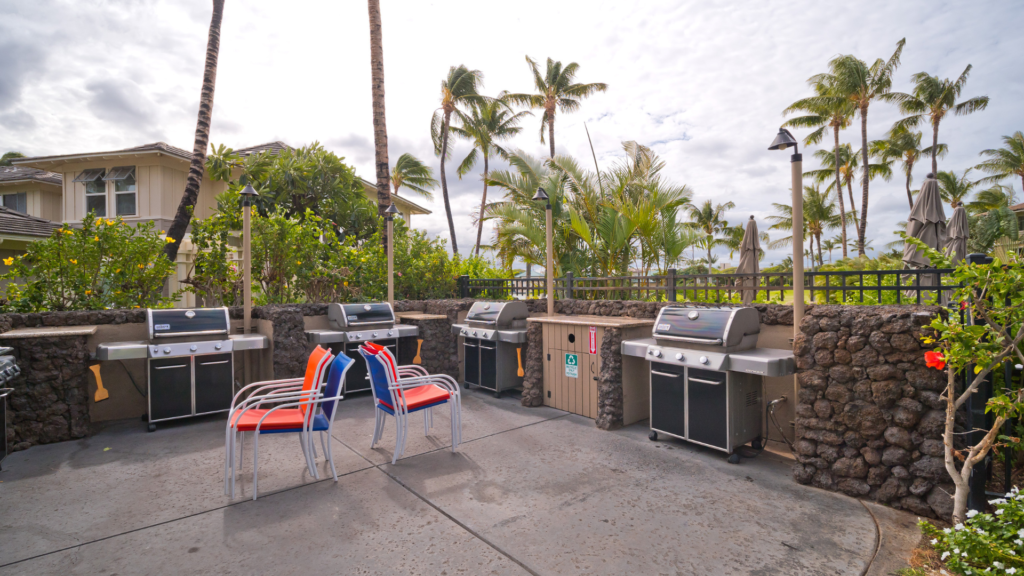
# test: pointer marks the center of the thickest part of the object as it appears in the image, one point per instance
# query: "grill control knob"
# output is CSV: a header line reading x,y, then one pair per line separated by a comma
x,y
693,315
359,334
657,353
193,348
218,346
679,355
704,360
389,332
374,334
650,352
167,350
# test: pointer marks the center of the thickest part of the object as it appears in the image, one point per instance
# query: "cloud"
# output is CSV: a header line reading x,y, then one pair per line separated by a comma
x,y
21,62
121,102
17,120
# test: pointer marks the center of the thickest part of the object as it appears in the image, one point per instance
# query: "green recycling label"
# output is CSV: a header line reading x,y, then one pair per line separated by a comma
x,y
572,366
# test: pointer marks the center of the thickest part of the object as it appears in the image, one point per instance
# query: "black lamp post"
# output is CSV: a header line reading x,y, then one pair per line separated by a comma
x,y
549,284
784,139
247,194
390,212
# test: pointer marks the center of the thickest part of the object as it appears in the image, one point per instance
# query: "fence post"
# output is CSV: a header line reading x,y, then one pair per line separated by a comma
x,y
463,286
569,287
670,294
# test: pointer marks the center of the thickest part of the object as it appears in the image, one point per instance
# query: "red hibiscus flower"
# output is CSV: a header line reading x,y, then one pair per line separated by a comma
x,y
935,360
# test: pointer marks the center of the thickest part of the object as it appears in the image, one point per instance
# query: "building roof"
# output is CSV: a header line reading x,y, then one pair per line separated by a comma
x,y
152,148
15,223
402,202
274,147
1017,207
12,174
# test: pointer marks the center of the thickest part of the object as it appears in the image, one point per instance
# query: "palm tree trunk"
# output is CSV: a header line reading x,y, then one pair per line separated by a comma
x,y
709,256
195,170
863,227
380,130
483,203
444,182
839,191
853,207
910,197
551,132
935,148
821,259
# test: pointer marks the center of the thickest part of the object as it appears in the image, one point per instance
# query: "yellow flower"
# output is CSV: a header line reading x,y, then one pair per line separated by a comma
x,y
99,221
72,260
141,266
87,292
95,238
298,262
68,232
116,271
162,232
169,240
8,261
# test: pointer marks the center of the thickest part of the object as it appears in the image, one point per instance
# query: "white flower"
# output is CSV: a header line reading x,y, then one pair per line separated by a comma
x,y
958,527
944,556
947,531
1020,532
964,554
956,550
998,565
972,513
997,501
1011,570
1000,511
1019,542
1012,553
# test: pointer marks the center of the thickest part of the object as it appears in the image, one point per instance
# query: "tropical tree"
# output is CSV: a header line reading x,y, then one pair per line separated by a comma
x,y
827,109
556,90
488,123
904,145
819,216
955,189
195,170
849,162
852,79
6,159
830,245
707,218
1005,162
932,99
458,90
412,173
380,128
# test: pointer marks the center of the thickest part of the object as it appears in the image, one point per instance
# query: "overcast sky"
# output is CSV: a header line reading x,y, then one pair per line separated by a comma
x,y
703,83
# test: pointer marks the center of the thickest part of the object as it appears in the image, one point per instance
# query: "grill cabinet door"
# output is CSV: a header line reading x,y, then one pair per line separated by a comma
x,y
489,364
471,349
214,382
709,421
3,426
170,388
357,378
668,399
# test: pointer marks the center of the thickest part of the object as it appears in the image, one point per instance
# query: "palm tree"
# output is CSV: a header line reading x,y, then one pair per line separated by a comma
x,y
851,78
849,162
195,170
1006,161
994,198
488,122
819,215
555,91
707,218
826,110
933,98
380,129
458,89
905,146
412,173
954,189
830,245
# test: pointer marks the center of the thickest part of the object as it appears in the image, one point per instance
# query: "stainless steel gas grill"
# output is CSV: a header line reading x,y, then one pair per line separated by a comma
x,y
190,365
352,325
494,335
707,374
8,371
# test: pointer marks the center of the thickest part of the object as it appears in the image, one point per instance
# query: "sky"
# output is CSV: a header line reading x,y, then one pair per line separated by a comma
x,y
703,83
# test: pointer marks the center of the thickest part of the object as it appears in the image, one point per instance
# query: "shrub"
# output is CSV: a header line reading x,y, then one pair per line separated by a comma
x,y
102,265
984,543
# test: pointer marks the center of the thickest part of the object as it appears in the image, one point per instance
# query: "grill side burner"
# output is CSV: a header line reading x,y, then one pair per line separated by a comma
x,y
353,324
493,337
190,361
706,375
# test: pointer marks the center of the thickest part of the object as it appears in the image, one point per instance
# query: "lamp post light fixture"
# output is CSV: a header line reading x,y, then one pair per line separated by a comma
x,y
390,218
247,193
784,139
549,273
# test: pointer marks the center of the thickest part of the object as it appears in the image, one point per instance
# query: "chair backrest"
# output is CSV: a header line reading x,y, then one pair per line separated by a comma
x,y
389,360
335,377
378,377
315,366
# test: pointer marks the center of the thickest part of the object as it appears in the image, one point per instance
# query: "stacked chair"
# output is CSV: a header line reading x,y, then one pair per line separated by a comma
x,y
402,390
295,405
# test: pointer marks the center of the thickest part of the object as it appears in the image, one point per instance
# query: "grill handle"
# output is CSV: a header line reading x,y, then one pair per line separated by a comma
x,y
212,363
691,339
702,381
665,374
169,367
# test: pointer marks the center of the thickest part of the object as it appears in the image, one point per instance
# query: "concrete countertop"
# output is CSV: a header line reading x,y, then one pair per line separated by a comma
x,y
603,321
419,316
50,332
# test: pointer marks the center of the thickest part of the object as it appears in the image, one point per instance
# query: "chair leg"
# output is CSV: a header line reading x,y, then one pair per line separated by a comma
x,y
330,457
312,446
398,439
322,443
227,457
255,461
426,425
376,427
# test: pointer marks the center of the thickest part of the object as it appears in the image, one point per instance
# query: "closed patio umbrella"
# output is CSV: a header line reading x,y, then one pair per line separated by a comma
x,y
927,222
956,245
750,250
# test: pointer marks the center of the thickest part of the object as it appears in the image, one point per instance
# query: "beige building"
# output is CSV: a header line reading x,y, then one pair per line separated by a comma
x,y
30,206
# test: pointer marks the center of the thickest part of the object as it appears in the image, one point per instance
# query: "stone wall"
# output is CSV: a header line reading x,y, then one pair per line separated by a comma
x,y
533,380
869,418
609,385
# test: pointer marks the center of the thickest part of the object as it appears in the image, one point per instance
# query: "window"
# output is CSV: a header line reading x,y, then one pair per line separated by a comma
x,y
124,190
95,190
17,202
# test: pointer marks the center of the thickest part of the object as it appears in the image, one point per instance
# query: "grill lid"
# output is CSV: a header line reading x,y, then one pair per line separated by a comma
x,y
498,315
174,322
345,316
725,327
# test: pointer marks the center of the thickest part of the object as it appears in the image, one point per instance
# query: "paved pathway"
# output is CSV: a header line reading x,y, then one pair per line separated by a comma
x,y
530,491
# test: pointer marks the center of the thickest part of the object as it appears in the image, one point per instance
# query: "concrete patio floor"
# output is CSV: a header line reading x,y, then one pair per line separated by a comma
x,y
530,491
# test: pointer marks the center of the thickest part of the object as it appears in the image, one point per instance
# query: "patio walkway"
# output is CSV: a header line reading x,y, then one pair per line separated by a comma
x,y
531,491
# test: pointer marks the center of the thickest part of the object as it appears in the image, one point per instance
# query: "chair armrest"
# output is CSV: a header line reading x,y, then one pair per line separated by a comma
x,y
307,424
265,383
413,368
257,401
442,380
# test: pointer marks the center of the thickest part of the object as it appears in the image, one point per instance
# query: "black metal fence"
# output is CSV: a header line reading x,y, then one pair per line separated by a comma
x,y
836,287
